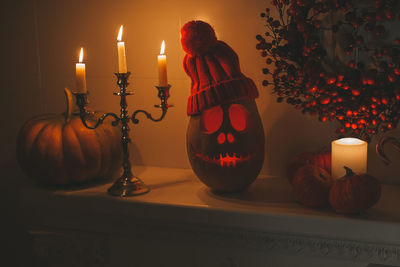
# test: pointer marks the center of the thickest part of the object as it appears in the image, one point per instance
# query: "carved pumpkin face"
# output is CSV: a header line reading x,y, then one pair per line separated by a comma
x,y
225,145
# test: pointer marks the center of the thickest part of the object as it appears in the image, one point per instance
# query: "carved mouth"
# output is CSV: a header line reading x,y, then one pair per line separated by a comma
x,y
225,159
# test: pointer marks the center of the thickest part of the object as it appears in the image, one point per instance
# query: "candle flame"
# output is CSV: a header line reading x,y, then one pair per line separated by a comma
x,y
162,50
119,38
81,55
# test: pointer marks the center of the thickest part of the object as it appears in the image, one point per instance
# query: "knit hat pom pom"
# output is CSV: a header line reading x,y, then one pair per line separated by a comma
x,y
197,37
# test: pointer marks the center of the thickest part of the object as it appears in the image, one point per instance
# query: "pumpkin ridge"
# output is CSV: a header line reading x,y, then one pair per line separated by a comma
x,y
32,123
79,142
41,151
44,117
82,159
349,196
23,136
34,143
67,168
340,189
104,163
356,191
63,167
57,149
91,153
343,193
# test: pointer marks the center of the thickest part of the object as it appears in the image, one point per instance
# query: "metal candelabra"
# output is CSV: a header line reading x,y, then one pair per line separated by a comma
x,y
128,184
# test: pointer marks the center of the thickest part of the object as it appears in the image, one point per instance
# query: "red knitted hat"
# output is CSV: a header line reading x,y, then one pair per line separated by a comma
x,y
213,68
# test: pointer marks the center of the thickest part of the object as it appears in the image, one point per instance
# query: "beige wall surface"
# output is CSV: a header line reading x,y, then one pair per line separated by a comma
x,y
42,49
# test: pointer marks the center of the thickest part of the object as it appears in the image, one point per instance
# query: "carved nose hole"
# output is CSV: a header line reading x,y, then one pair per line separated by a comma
x,y
221,138
231,138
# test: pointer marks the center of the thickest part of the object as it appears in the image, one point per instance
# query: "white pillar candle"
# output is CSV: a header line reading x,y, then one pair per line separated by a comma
x,y
349,152
162,67
121,53
80,74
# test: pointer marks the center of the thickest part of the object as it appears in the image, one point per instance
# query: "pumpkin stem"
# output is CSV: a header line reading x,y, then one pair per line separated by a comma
x,y
68,97
349,172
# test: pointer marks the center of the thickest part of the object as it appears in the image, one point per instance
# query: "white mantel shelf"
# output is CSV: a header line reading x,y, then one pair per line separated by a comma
x,y
265,217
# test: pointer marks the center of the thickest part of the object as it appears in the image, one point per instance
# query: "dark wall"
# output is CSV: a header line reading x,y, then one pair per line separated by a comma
x,y
20,99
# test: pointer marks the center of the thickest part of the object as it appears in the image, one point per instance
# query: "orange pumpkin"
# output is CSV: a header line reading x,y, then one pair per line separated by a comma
x,y
60,150
311,185
354,193
225,145
321,159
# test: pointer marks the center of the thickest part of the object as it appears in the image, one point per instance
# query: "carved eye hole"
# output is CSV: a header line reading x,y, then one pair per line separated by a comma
x,y
211,119
238,116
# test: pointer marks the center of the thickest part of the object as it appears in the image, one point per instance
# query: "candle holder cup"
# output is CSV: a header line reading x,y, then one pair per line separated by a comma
x,y
128,184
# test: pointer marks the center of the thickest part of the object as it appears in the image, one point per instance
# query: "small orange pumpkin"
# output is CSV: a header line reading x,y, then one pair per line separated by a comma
x,y
60,150
321,159
354,193
311,185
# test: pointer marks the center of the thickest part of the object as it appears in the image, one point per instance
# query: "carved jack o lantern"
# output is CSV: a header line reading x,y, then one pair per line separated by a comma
x,y
225,145
225,137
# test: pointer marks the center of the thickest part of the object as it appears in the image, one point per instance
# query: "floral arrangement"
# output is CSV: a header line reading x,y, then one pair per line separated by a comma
x,y
336,59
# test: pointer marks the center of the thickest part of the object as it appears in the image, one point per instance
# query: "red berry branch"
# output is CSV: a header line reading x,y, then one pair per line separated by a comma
x,y
360,86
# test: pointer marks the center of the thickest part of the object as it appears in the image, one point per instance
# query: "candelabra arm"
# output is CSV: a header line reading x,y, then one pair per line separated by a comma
x,y
81,102
163,94
100,120
148,115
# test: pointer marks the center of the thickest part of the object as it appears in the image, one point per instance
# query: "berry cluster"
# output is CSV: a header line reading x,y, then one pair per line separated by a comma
x,y
360,89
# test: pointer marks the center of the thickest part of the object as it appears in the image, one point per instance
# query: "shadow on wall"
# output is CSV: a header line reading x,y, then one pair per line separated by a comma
x,y
135,155
288,133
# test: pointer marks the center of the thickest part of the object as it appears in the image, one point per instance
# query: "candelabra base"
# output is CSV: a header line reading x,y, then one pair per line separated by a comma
x,y
128,186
